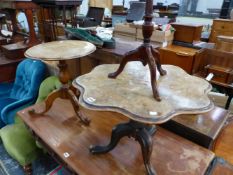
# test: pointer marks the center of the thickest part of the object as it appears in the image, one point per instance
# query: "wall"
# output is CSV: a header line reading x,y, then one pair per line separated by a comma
x,y
166,2
84,7
204,4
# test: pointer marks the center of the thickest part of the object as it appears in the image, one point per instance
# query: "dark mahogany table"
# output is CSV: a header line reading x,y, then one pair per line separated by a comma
x,y
130,94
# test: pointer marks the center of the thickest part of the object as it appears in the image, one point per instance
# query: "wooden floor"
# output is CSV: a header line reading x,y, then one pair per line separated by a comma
x,y
224,144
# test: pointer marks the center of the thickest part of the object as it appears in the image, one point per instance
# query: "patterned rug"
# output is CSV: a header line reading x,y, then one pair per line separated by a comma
x,y
44,165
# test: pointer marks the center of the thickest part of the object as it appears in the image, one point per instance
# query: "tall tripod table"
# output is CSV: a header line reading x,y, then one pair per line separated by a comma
x,y
130,94
62,51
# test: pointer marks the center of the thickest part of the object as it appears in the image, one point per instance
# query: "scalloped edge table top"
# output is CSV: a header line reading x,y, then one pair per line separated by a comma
x,y
60,50
131,93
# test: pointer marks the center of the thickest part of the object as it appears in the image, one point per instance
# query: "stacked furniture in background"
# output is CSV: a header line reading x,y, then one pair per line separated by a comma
x,y
133,32
221,27
93,18
220,64
12,48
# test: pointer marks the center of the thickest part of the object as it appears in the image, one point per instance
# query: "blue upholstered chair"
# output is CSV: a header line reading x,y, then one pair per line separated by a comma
x,y
29,75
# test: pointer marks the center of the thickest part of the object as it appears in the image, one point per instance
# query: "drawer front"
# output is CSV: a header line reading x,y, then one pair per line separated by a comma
x,y
223,26
215,33
219,75
189,36
181,59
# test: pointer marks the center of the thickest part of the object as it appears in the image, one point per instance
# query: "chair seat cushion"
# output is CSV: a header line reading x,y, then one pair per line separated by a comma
x,y
19,143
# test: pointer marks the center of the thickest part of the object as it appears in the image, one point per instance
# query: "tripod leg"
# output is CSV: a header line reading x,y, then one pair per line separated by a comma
x,y
152,66
146,143
118,132
130,56
48,102
75,104
156,56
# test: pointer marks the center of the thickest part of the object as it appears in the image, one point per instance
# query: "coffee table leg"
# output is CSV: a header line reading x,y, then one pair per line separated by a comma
x,y
48,102
75,104
141,132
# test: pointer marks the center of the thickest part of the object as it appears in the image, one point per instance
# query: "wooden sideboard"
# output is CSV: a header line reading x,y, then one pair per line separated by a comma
x,y
183,57
221,27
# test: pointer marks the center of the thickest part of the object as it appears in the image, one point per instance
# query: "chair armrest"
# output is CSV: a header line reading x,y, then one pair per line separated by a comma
x,y
8,113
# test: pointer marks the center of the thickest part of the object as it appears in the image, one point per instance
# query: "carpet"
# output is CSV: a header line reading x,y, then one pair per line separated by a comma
x,y
42,166
60,170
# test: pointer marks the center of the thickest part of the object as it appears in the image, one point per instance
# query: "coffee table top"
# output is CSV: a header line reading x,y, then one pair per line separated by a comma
x,y
131,93
60,50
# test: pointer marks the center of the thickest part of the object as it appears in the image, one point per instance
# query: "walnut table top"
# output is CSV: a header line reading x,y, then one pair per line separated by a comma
x,y
60,50
131,94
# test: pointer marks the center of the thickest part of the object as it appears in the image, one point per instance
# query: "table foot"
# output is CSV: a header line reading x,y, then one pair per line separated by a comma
x,y
140,132
64,93
147,55
48,103
75,104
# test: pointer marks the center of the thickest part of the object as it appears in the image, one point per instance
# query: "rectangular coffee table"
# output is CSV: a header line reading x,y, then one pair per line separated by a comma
x,y
68,141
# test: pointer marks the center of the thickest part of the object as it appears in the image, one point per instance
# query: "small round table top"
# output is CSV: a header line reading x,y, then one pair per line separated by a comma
x,y
60,50
131,93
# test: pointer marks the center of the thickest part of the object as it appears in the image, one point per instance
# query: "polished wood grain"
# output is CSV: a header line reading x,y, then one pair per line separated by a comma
x,y
69,142
213,57
224,144
202,129
183,57
188,33
221,27
224,43
221,167
216,58
15,50
8,68
145,53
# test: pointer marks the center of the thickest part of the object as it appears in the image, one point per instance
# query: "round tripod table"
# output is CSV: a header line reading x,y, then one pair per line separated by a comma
x,y
130,94
62,51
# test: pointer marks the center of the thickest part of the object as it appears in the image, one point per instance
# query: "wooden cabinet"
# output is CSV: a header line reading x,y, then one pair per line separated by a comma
x,y
187,33
179,56
221,27
8,68
224,43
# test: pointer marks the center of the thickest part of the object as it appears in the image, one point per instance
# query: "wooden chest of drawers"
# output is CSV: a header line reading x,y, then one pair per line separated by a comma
x,y
188,33
183,57
221,27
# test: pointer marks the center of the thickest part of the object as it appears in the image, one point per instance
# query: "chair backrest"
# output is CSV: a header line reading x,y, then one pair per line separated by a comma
x,y
97,13
47,86
29,75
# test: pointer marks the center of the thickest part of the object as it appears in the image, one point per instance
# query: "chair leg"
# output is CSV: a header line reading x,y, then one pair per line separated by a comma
x,y
28,169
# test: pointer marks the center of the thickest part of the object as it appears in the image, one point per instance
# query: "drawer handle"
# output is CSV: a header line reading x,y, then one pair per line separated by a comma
x,y
183,54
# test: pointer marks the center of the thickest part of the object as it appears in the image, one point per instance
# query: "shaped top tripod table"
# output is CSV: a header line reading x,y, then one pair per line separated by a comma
x,y
62,51
130,94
